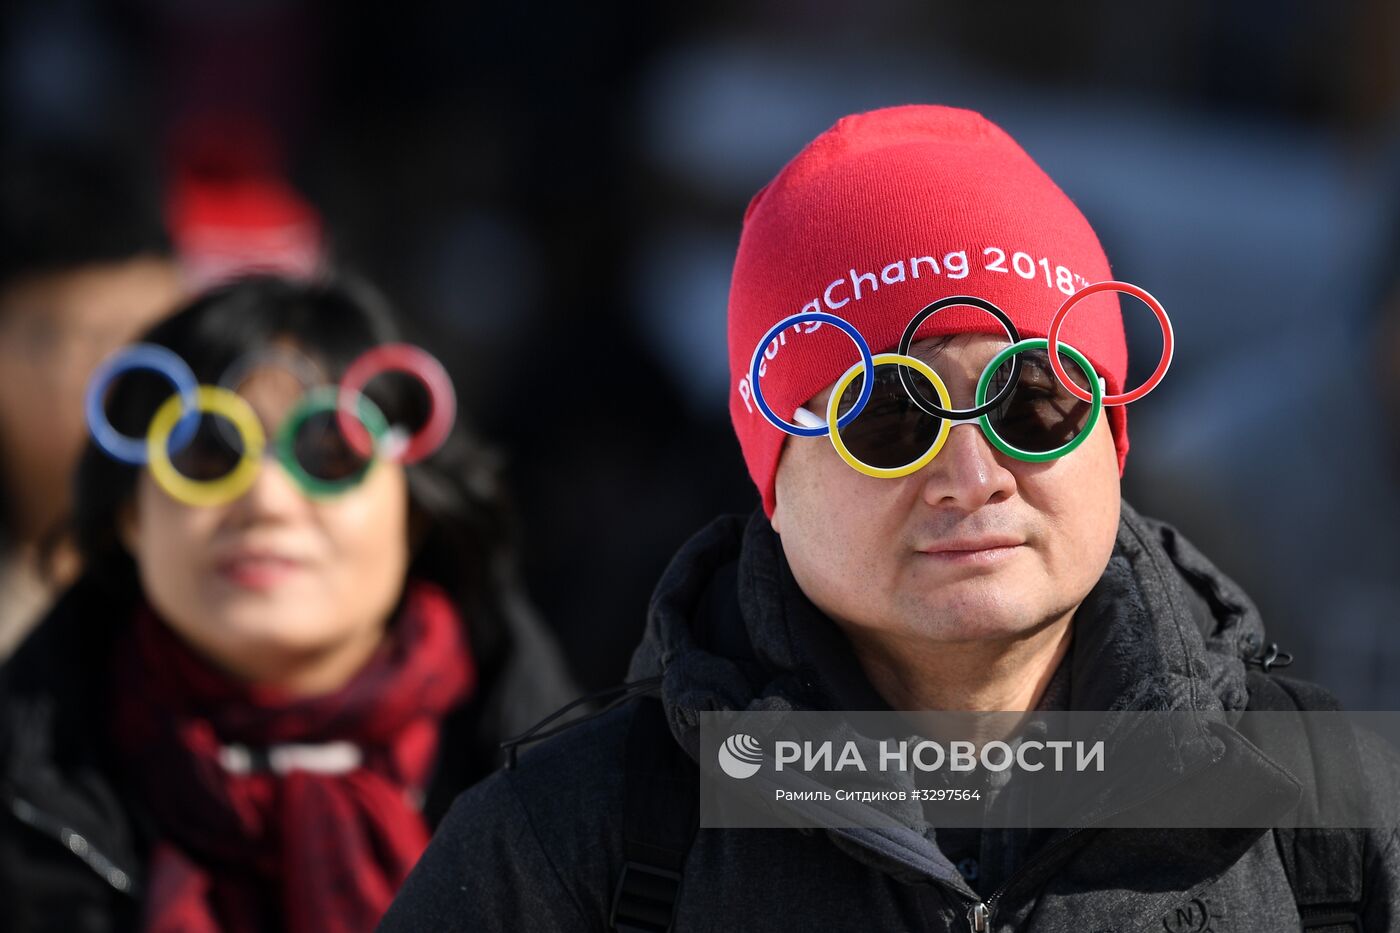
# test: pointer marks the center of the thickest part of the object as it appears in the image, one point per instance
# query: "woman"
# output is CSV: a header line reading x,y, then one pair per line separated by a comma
x,y
249,715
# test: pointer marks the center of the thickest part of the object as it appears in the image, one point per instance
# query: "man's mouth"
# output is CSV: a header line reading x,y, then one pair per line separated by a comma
x,y
988,549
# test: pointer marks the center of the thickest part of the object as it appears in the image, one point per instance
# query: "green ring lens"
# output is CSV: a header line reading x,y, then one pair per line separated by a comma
x,y
1038,343
325,399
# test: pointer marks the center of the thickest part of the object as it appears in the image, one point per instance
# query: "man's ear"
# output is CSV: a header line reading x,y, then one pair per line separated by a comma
x,y
776,518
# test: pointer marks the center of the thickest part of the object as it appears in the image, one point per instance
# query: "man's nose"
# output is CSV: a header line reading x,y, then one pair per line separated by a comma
x,y
967,473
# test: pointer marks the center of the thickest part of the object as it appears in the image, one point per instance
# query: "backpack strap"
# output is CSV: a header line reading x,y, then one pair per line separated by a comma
x,y
661,814
1324,866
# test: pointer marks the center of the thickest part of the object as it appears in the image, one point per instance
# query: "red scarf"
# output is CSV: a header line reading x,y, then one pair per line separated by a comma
x,y
250,842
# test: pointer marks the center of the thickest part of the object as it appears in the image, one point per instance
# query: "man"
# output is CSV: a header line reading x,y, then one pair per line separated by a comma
x,y
971,580
87,264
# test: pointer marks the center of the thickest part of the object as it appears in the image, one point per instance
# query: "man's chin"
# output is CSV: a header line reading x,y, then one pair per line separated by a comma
x,y
976,610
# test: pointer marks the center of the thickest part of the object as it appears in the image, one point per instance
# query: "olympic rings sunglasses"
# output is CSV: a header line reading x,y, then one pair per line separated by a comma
x,y
205,444
1030,403
894,436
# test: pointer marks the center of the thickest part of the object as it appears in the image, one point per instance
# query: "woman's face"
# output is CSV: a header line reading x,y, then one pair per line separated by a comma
x,y
276,587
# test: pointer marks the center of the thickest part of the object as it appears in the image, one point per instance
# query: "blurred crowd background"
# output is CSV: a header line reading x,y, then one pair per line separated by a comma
x,y
553,192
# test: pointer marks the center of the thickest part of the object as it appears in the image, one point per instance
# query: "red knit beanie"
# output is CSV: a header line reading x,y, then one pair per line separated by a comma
x,y
877,217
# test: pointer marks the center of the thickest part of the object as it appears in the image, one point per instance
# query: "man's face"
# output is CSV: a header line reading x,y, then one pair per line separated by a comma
x,y
975,546
54,329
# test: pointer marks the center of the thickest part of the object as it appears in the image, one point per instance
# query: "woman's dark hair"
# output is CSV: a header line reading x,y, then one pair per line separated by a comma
x,y
458,518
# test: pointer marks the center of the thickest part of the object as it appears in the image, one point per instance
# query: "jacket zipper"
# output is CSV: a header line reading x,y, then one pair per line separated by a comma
x,y
979,915
74,842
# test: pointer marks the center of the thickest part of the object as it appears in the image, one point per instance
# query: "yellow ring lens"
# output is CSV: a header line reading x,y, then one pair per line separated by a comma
x,y
832,415
215,401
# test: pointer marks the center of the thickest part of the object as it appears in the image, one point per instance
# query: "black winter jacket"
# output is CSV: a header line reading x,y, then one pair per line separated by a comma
x,y
72,847
540,847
